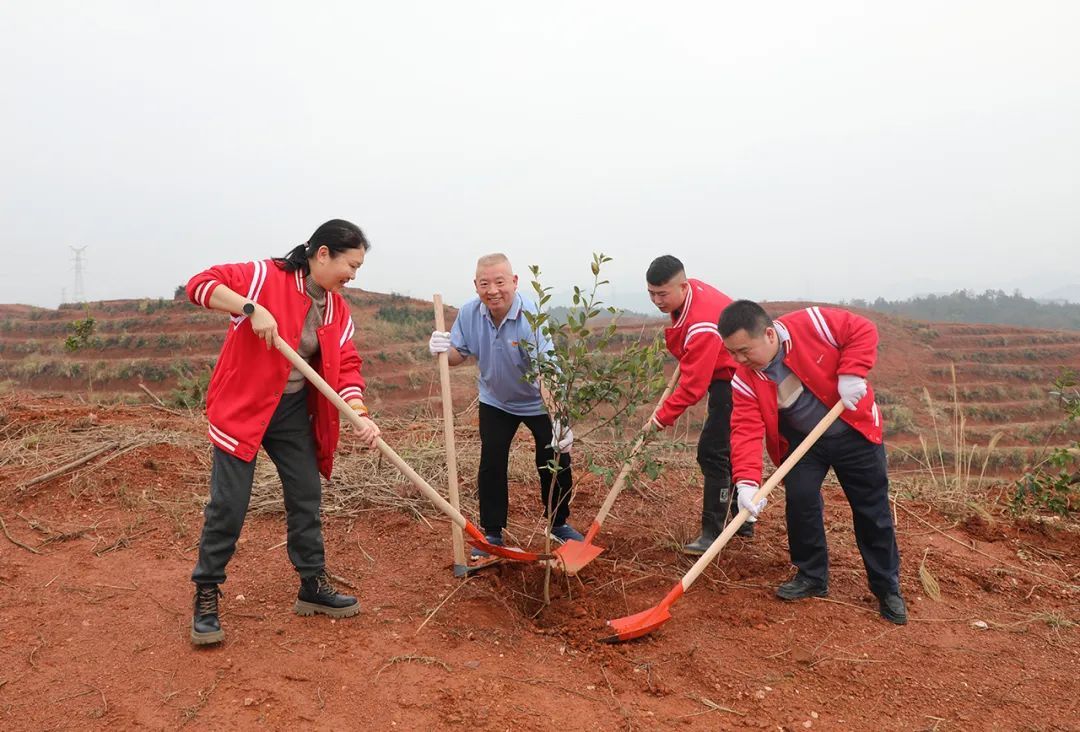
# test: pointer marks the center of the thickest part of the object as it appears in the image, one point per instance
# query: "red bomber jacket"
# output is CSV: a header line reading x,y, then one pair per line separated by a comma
x,y
824,343
694,339
249,379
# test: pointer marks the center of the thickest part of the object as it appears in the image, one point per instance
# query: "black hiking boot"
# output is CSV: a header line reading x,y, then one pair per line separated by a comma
x,y
205,625
317,595
698,546
893,609
801,587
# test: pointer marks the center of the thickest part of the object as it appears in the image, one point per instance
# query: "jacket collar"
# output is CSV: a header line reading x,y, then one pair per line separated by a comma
x,y
685,306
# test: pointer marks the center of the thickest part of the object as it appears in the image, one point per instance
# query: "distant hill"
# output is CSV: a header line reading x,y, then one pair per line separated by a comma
x,y
992,306
1064,294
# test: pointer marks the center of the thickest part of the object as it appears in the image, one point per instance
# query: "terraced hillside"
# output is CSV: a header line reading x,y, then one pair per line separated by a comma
x,y
1003,374
1001,378
170,344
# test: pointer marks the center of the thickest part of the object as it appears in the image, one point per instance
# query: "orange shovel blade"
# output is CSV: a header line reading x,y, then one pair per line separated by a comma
x,y
644,622
637,625
506,552
574,554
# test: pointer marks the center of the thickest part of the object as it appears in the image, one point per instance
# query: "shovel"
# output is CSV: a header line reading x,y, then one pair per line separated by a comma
x,y
476,537
643,623
461,567
573,555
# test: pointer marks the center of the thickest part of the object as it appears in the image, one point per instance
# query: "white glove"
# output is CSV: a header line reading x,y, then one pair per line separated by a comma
x,y
747,489
851,388
562,437
439,343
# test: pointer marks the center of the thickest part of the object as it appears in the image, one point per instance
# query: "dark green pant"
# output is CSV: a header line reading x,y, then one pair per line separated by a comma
x,y
290,444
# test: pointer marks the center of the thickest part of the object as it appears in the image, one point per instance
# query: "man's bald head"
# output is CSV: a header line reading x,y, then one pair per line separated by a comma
x,y
493,260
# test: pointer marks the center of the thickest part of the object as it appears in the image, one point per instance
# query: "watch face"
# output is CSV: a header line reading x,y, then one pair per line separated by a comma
x,y
249,308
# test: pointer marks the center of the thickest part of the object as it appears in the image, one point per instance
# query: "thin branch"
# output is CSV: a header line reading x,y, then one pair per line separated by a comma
x,y
15,541
439,606
70,466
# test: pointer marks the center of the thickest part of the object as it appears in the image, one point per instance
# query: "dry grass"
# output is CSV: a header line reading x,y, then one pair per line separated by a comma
x,y
929,582
950,466
38,435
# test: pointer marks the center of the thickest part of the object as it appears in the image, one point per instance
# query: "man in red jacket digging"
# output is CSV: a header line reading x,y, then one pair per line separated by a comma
x,y
791,371
705,369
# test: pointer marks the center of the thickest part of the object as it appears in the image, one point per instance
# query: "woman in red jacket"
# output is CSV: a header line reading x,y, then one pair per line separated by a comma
x,y
257,398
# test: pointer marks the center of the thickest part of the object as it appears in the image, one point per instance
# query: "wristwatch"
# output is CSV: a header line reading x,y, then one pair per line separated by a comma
x,y
248,309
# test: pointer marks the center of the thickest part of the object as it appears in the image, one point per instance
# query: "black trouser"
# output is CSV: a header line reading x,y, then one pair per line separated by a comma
x,y
861,469
497,430
291,445
714,457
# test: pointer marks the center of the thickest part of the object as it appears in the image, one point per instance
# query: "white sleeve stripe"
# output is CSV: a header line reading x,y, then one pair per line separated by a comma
x,y
819,324
693,333
700,327
201,290
350,392
740,386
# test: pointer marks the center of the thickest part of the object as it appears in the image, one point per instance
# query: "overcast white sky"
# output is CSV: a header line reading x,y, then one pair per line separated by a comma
x,y
821,150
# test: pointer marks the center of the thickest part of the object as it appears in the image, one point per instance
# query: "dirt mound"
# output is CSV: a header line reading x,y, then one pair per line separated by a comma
x,y
95,610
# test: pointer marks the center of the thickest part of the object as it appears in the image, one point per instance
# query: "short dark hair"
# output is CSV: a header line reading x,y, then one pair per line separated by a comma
x,y
662,270
744,315
337,235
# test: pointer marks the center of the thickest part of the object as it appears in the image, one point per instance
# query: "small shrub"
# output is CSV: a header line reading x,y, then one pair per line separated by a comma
x,y
898,418
191,386
1053,484
405,314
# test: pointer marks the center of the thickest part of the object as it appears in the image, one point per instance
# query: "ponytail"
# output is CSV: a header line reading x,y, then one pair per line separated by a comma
x,y
336,235
296,259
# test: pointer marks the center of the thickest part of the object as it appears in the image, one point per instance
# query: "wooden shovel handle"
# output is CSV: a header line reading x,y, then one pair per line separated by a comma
x,y
620,480
346,411
772,482
457,540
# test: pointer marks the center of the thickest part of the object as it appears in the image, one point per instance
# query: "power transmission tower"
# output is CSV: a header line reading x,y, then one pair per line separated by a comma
x,y
79,296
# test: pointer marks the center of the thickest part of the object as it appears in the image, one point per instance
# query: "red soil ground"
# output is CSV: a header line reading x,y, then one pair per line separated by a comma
x,y
95,627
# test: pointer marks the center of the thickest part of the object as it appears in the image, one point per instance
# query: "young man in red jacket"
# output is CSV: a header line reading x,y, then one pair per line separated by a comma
x,y
792,370
705,368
